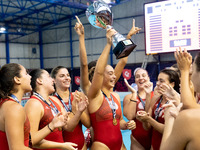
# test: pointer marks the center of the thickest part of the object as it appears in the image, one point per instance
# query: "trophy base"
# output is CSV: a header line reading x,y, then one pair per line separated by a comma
x,y
124,48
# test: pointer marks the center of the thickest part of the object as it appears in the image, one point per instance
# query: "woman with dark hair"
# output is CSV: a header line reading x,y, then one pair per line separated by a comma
x,y
45,115
182,130
87,70
62,81
168,81
14,124
104,107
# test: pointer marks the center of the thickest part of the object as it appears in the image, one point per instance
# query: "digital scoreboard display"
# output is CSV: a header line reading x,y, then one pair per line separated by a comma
x,y
170,24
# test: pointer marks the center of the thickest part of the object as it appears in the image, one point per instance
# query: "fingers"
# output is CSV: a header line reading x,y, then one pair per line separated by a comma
x,y
78,20
133,22
129,87
180,106
131,125
141,113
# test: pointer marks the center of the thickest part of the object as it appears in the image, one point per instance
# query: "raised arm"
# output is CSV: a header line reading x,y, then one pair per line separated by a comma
x,y
184,60
85,83
100,67
122,62
173,136
130,103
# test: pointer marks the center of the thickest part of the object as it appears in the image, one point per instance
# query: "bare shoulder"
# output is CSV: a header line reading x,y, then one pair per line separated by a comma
x,y
189,121
34,104
189,114
13,110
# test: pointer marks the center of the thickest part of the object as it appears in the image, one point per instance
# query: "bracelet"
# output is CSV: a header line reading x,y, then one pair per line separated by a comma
x,y
49,128
133,100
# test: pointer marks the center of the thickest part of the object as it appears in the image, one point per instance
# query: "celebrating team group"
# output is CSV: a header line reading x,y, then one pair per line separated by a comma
x,y
163,117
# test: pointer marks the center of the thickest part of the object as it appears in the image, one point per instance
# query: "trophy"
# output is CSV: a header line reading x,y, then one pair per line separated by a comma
x,y
99,15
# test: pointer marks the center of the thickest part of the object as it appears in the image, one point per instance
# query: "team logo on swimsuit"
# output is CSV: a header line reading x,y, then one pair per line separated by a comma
x,y
77,80
127,74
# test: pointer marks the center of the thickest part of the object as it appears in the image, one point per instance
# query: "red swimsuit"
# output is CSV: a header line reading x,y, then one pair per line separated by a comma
x,y
102,123
76,136
56,135
3,138
157,136
139,133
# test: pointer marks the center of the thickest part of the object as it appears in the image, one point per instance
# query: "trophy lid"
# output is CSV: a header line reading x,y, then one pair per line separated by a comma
x,y
101,11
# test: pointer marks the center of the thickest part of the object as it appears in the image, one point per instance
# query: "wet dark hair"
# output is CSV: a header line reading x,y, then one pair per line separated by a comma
x,y
91,68
173,77
36,73
7,74
197,62
55,70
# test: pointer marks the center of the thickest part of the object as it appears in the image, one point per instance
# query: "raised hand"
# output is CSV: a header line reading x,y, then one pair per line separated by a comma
x,y
130,88
59,121
171,110
79,27
133,91
109,34
148,87
131,125
82,104
170,93
134,30
183,59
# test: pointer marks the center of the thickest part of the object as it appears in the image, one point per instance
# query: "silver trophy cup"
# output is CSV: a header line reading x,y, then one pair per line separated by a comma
x,y
99,15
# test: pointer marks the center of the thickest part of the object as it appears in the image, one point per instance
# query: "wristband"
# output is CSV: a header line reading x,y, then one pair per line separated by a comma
x,y
133,100
49,128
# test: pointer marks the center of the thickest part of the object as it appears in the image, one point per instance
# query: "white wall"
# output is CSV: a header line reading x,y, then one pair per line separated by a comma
x,y
20,52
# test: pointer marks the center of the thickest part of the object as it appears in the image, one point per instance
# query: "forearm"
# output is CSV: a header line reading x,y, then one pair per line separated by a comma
x,y
166,133
146,125
119,67
73,122
39,135
187,96
85,119
102,61
123,124
148,101
130,110
83,65
156,125
44,144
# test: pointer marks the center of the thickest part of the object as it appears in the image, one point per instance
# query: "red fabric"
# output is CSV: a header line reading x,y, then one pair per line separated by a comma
x,y
102,123
139,133
56,135
157,136
3,138
76,136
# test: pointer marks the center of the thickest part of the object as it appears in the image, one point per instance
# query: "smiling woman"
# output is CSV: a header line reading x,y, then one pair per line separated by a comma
x,y
44,114
140,138
69,102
